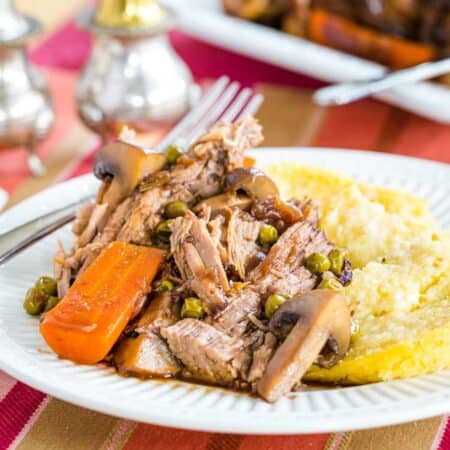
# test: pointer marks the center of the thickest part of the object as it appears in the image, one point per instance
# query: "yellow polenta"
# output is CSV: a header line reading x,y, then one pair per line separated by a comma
x,y
400,294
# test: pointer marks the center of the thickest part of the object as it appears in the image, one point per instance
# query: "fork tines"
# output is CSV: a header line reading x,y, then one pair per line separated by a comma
x,y
224,100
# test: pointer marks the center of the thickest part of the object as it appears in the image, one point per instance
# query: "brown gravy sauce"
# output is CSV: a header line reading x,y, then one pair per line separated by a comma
x,y
191,384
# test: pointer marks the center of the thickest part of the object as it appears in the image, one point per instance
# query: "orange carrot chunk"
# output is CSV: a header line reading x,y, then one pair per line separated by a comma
x,y
87,322
337,32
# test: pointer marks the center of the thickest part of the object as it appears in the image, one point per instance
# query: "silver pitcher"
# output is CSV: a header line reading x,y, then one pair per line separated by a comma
x,y
26,110
133,76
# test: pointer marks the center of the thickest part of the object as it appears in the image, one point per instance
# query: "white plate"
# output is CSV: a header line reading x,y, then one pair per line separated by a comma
x,y
205,20
25,356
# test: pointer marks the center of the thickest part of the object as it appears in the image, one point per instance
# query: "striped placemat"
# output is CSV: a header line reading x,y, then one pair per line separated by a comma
x,y
31,420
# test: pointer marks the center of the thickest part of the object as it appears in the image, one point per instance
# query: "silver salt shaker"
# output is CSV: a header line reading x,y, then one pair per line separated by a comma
x,y
133,76
26,110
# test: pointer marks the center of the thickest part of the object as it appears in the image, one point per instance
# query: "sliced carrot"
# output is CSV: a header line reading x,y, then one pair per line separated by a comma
x,y
87,322
337,32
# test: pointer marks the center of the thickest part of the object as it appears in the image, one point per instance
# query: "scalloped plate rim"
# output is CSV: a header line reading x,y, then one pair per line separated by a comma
x,y
236,421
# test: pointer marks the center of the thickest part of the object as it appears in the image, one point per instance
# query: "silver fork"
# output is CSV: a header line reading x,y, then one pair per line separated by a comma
x,y
223,101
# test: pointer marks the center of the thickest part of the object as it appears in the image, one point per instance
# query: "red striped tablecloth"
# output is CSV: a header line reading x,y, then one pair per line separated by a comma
x,y
31,420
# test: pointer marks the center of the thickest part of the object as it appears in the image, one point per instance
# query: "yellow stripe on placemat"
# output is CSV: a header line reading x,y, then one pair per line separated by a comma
x,y
417,435
119,435
65,426
338,441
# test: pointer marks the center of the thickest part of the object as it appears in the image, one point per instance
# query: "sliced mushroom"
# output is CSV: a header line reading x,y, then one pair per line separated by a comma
x,y
276,212
224,201
314,322
126,164
267,204
252,181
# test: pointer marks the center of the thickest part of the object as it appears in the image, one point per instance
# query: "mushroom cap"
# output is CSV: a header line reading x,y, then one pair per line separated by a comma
x,y
309,306
284,319
127,164
277,212
253,181
313,322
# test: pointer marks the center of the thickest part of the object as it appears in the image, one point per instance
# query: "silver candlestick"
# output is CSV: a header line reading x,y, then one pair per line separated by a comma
x,y
133,76
26,110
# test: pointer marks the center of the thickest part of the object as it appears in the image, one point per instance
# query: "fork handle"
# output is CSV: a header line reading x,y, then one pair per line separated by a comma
x,y
18,239
343,93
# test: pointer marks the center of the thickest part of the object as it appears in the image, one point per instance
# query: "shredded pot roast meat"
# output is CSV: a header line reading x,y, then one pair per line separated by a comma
x,y
207,317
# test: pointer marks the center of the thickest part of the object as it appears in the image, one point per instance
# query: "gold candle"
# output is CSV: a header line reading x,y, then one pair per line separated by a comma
x,y
129,13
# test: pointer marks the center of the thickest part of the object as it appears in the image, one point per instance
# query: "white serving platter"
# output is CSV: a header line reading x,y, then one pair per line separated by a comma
x,y
206,20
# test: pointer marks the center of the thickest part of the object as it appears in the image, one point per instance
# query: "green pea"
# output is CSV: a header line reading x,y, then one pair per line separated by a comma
x,y
163,231
317,263
165,285
46,285
35,301
337,258
51,302
175,209
268,234
172,154
193,308
273,303
330,283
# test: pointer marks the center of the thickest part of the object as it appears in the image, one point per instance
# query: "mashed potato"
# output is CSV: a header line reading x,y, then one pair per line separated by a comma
x,y
369,221
400,294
